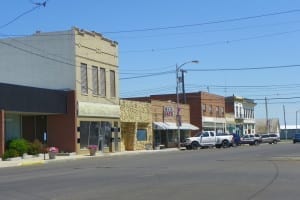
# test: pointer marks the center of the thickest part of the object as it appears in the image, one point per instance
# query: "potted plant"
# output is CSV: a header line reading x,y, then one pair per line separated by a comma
x,y
52,151
92,149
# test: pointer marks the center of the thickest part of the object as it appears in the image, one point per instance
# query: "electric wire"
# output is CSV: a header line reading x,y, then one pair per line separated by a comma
x,y
37,5
213,43
204,23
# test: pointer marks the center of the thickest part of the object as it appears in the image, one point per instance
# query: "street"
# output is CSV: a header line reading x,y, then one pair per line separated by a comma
x,y
241,173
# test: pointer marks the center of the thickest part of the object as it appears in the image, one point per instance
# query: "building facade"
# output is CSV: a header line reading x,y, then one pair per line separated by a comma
x,y
77,70
242,109
207,111
211,112
167,127
136,125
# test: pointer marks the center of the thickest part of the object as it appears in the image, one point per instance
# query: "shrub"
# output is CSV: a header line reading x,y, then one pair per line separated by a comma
x,y
35,147
20,145
10,153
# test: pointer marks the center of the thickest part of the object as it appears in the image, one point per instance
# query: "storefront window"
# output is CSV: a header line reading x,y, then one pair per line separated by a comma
x,y
95,133
141,135
12,126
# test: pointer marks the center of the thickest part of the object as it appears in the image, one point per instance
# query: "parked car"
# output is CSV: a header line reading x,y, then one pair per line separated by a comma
x,y
270,138
208,139
296,138
251,139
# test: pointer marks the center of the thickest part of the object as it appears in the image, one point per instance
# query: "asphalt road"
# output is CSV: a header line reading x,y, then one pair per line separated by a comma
x,y
242,173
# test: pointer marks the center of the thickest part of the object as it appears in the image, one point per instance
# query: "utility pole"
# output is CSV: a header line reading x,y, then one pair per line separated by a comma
x,y
284,122
182,83
267,117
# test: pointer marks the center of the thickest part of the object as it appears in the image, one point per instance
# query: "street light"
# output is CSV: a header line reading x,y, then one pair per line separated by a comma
x,y
178,117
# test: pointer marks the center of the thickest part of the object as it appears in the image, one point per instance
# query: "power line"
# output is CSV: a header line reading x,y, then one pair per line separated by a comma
x,y
214,69
247,68
211,31
212,43
204,23
37,5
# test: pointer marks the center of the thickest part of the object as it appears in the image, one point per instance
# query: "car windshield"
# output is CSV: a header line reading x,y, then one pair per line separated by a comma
x,y
198,134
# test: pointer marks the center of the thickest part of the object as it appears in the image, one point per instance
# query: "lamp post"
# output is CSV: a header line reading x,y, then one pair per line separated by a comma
x,y
178,116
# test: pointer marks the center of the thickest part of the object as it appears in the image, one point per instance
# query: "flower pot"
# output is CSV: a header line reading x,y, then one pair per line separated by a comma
x,y
92,152
52,155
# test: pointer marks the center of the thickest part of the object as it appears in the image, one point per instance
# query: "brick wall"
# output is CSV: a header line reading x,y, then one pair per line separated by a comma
x,y
62,128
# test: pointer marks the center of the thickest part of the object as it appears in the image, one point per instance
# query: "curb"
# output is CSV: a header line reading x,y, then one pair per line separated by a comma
x,y
29,163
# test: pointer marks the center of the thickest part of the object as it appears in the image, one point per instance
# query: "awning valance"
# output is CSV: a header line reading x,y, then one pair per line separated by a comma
x,y
173,126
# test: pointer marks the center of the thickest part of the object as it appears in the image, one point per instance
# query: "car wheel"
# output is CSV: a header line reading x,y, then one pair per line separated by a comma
x,y
275,142
255,142
225,144
195,145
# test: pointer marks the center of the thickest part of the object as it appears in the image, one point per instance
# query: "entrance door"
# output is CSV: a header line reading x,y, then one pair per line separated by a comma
x,y
33,127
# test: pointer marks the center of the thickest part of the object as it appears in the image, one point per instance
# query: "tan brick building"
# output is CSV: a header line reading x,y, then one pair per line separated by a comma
x,y
136,125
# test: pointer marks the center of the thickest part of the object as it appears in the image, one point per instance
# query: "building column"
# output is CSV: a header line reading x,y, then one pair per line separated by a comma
x,y
2,134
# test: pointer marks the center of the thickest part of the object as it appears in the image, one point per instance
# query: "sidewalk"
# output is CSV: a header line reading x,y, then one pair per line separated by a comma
x,y
44,159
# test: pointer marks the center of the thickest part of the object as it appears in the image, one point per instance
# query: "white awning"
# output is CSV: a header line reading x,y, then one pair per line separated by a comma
x,y
173,126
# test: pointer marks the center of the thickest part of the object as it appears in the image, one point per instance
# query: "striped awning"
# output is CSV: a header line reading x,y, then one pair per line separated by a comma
x,y
173,126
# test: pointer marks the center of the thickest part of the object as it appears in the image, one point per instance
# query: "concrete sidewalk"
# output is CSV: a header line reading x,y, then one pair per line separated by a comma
x,y
44,159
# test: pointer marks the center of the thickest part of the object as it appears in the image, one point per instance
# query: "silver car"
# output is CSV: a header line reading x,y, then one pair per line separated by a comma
x,y
270,138
251,139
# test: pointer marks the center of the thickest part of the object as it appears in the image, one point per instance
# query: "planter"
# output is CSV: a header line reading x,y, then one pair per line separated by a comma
x,y
92,152
52,155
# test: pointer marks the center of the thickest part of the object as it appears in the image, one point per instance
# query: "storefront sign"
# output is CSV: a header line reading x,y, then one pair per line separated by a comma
x,y
168,111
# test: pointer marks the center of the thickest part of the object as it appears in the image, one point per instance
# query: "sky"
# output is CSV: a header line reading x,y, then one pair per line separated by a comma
x,y
247,48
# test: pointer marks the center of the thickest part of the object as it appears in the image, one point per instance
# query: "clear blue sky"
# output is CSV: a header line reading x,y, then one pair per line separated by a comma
x,y
222,35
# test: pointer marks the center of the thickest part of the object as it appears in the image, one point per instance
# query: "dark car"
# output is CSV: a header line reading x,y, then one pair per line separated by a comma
x,y
296,138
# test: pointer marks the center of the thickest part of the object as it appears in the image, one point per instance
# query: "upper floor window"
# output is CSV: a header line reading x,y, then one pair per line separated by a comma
x,y
210,109
222,111
84,78
102,83
112,83
217,111
203,108
95,80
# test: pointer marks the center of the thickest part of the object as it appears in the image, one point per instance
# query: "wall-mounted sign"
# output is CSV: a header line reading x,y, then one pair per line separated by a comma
x,y
168,111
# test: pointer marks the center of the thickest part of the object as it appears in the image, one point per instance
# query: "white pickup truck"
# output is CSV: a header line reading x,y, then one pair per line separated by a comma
x,y
208,139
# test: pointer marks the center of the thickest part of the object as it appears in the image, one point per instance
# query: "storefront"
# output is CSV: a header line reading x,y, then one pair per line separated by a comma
x,y
167,126
99,124
29,113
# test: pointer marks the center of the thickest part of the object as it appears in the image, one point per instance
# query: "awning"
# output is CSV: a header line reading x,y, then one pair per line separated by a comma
x,y
173,126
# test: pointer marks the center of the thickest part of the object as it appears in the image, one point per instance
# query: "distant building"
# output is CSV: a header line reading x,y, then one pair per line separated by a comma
x,y
207,111
264,126
288,131
242,109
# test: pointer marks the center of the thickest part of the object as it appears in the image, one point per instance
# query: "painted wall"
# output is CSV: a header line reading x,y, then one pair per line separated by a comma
x,y
44,60
2,134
